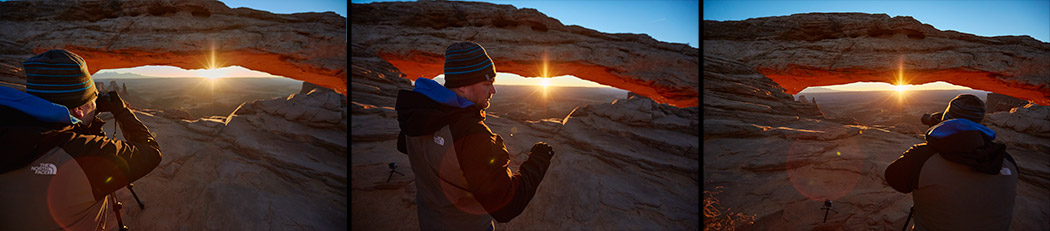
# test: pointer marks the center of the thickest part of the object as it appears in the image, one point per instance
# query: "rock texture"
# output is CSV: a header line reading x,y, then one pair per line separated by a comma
x,y
770,161
412,36
182,33
815,49
998,102
633,156
262,167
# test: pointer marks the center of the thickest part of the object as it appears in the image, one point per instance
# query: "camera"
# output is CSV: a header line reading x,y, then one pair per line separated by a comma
x,y
931,119
103,96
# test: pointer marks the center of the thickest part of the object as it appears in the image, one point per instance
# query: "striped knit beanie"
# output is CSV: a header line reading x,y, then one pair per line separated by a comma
x,y
61,77
467,63
964,106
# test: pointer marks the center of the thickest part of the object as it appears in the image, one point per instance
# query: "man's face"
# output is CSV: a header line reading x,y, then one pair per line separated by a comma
x,y
480,93
85,112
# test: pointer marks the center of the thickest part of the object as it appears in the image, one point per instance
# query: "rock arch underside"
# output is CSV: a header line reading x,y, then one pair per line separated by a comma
x,y
413,37
772,159
819,49
182,33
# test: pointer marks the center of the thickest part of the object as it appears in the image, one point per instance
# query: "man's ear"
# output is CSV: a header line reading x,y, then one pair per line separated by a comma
x,y
76,112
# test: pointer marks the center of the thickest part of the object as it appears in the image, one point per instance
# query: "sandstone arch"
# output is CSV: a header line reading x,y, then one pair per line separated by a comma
x,y
815,49
182,33
412,36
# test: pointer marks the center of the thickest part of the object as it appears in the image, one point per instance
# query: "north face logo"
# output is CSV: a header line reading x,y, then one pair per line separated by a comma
x,y
44,169
438,140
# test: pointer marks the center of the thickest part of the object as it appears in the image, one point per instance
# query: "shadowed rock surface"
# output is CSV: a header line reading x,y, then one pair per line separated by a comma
x,y
182,33
631,164
817,49
412,36
775,159
272,164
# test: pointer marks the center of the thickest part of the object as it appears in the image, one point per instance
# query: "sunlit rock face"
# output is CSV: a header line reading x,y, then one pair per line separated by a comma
x,y
819,49
412,36
182,33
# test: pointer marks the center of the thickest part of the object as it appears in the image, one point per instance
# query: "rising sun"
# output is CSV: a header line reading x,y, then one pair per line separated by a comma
x,y
545,82
900,88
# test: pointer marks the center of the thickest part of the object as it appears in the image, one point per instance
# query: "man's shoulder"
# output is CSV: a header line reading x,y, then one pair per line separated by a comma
x,y
465,124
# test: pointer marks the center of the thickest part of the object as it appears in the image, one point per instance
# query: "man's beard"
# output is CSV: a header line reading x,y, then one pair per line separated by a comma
x,y
484,103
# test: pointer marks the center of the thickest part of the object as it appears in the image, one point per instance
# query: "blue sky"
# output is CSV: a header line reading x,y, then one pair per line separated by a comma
x,y
288,7
984,18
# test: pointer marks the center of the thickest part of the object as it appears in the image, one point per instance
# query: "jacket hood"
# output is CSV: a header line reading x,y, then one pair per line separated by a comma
x,y
41,109
966,142
440,94
30,126
430,107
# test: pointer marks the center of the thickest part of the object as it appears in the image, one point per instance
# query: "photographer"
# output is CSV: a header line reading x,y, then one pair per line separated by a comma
x,y
959,179
58,167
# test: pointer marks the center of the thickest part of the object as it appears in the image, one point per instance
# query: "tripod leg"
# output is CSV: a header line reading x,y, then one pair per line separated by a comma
x,y
399,173
908,219
388,176
825,216
116,210
141,205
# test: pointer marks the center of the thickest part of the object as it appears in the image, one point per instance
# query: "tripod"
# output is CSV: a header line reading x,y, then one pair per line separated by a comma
x,y
113,197
826,208
393,169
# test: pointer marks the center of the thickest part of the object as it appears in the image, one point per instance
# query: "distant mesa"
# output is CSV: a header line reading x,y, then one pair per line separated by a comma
x,y
820,90
119,75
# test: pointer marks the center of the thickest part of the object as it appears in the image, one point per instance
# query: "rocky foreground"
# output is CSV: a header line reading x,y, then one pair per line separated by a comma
x,y
770,162
631,164
277,164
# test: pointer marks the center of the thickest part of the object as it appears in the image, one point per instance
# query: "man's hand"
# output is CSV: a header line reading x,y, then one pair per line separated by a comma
x,y
542,149
109,102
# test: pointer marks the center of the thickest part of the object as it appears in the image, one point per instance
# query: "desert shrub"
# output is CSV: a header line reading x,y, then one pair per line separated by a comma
x,y
717,217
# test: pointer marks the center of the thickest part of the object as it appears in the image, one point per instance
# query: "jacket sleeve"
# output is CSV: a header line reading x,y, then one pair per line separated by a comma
x,y
484,159
903,173
113,164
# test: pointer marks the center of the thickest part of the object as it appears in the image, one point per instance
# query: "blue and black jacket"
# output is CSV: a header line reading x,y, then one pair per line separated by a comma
x,y
959,179
56,171
437,125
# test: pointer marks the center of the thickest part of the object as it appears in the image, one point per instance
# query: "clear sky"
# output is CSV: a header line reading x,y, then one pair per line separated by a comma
x,y
514,79
984,18
273,6
879,86
288,7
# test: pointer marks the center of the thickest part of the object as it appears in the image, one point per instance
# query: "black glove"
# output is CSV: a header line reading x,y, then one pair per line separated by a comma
x,y
542,149
109,102
931,119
